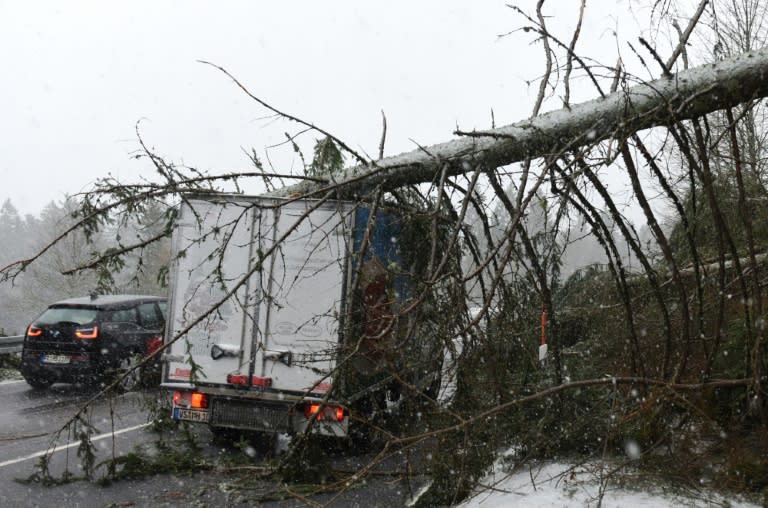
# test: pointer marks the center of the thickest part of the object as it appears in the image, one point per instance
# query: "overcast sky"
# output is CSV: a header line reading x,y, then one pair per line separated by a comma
x,y
78,76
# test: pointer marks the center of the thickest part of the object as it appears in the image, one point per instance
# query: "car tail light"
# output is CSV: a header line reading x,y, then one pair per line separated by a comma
x,y
154,343
34,331
328,412
87,333
194,400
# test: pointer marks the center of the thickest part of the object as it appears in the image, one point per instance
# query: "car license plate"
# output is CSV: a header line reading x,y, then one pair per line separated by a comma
x,y
194,415
55,359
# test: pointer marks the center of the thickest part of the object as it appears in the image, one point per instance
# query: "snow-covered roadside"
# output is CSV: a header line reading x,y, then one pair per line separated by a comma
x,y
562,485
10,375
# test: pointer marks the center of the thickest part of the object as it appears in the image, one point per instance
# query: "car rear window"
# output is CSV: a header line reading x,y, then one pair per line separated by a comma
x,y
150,316
121,316
77,315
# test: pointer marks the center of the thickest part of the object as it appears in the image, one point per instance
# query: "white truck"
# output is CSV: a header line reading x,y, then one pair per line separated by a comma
x,y
284,313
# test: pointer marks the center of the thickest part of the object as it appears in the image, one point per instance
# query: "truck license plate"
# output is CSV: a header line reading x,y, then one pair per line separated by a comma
x,y
55,359
193,415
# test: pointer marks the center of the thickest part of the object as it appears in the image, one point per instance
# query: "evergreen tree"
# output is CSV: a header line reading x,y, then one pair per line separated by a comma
x,y
327,159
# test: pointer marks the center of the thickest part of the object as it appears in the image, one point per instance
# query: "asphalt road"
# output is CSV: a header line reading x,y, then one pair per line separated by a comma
x,y
30,418
29,424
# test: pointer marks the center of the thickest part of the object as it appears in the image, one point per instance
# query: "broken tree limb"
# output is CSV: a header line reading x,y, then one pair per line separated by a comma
x,y
688,94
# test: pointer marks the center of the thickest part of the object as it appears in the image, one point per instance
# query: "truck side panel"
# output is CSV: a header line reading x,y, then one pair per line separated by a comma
x,y
379,293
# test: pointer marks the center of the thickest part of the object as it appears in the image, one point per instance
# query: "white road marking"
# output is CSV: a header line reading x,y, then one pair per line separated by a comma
x,y
70,445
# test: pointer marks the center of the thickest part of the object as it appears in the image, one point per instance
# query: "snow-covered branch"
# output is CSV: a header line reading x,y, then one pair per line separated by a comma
x,y
685,95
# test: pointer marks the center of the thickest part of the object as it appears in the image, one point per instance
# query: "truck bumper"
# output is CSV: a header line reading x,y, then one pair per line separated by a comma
x,y
266,416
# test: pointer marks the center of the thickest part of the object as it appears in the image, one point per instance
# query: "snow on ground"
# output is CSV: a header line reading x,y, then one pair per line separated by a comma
x,y
561,485
9,375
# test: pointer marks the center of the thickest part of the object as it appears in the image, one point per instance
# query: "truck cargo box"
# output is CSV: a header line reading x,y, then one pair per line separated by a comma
x,y
262,293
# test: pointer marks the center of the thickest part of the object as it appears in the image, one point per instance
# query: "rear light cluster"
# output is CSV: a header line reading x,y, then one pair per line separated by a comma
x,y
242,380
91,332
153,344
320,412
190,400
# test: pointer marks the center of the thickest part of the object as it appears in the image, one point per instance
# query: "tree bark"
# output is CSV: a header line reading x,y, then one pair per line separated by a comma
x,y
688,94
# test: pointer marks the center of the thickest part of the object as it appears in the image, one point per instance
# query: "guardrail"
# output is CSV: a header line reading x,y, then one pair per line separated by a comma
x,y
11,344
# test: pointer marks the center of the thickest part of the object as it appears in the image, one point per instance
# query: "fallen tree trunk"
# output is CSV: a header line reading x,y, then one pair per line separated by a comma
x,y
685,95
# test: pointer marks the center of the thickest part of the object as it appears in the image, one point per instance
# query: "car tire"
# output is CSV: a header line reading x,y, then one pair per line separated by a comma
x,y
134,379
39,382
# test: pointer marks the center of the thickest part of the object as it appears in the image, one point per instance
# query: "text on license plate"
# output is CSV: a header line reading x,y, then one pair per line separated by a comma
x,y
195,415
55,359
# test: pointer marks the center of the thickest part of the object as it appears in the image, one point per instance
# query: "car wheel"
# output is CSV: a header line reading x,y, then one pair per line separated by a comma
x,y
129,376
39,382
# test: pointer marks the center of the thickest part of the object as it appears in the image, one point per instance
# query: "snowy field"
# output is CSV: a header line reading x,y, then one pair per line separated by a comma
x,y
560,485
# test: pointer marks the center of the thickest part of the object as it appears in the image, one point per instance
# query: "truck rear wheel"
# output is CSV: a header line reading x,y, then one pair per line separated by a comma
x,y
368,415
225,436
250,442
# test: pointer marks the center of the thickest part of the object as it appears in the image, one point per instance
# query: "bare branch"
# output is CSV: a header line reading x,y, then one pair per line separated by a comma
x,y
680,48
339,142
383,134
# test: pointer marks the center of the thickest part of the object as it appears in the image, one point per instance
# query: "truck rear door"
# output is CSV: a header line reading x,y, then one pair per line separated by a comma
x,y
305,288
214,291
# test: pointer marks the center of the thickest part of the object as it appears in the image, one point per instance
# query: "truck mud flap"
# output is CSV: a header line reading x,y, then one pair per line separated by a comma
x,y
250,416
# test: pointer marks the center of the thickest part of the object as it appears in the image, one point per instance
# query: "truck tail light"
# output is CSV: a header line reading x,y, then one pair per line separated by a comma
x,y
87,333
264,382
237,379
242,380
199,400
311,410
34,331
193,400
327,413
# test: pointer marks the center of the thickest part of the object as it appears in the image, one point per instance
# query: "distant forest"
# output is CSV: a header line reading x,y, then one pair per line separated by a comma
x,y
44,281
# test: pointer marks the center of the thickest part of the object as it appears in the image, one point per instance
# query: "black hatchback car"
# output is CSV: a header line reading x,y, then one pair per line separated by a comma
x,y
92,339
